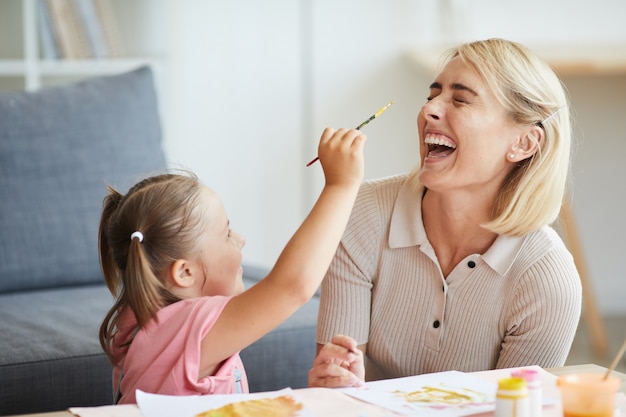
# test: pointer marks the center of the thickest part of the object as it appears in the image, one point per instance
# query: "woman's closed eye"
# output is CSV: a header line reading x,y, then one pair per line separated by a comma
x,y
459,100
455,100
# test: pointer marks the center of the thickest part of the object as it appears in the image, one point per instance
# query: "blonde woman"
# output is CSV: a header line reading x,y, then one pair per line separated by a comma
x,y
455,266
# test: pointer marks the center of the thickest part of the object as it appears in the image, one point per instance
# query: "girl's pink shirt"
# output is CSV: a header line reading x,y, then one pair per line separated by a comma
x,y
164,357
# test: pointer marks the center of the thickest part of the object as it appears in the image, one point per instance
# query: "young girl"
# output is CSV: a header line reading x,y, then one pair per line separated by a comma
x,y
173,263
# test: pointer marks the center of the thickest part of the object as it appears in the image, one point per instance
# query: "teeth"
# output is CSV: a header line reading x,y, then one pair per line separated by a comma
x,y
431,139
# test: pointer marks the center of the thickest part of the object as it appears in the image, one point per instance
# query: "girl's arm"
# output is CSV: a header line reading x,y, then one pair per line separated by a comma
x,y
303,262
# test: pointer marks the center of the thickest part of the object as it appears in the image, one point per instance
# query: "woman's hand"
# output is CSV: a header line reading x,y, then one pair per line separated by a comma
x,y
338,364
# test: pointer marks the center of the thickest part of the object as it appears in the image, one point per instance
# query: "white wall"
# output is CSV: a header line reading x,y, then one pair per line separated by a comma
x,y
249,86
233,112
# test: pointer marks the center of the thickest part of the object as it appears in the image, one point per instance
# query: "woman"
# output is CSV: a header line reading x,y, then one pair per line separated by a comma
x,y
455,266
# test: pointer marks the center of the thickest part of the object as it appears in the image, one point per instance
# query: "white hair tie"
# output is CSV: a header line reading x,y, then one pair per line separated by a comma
x,y
137,235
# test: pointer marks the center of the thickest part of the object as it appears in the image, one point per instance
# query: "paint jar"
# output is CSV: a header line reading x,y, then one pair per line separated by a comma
x,y
533,383
588,395
512,398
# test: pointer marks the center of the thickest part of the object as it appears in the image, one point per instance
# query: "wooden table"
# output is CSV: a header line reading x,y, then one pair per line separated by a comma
x,y
373,411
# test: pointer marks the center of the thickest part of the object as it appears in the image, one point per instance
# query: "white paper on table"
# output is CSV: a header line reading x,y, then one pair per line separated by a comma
x,y
383,393
482,383
156,405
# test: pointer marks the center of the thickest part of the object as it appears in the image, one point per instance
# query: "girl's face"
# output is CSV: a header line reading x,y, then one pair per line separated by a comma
x,y
219,253
465,134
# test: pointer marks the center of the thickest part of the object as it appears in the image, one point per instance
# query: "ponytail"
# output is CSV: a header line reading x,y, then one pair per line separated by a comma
x,y
107,261
110,271
142,284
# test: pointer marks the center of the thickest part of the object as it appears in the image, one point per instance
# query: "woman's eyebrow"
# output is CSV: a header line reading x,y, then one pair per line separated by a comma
x,y
435,85
455,86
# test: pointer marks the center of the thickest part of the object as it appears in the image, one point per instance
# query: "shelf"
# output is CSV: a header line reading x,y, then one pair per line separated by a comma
x,y
566,60
585,59
35,72
92,67
12,67
74,67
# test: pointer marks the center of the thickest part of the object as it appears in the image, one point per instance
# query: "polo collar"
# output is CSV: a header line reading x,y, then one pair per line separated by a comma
x,y
407,229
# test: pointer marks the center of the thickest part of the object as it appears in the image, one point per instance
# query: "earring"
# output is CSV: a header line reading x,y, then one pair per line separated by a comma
x,y
512,155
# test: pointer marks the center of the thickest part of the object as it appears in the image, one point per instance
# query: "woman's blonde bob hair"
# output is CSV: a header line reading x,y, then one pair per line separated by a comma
x,y
532,194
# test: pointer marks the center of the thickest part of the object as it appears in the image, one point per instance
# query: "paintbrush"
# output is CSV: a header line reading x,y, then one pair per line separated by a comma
x,y
372,117
619,355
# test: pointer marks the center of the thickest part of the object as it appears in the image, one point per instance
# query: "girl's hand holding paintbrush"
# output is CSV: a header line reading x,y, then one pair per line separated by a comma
x,y
372,117
339,150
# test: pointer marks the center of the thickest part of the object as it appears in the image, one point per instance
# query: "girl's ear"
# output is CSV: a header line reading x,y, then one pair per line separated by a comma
x,y
181,273
528,143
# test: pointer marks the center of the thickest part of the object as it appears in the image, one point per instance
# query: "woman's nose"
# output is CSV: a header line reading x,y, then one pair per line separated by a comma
x,y
432,110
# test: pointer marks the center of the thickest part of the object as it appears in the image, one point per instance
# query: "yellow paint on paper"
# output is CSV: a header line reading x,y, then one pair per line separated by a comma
x,y
283,406
441,396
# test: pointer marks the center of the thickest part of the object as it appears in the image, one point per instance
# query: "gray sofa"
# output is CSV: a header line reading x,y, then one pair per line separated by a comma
x,y
58,148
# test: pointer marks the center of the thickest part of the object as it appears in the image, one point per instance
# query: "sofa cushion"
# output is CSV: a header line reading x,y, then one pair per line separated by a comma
x,y
51,358
282,358
59,147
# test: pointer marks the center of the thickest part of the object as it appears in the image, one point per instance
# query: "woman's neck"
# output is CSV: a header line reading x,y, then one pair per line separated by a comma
x,y
452,223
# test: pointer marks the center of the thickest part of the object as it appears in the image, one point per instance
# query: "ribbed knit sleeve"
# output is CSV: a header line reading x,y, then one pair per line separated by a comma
x,y
544,309
346,289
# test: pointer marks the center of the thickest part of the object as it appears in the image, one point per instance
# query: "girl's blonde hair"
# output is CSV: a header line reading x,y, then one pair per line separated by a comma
x,y
161,208
533,192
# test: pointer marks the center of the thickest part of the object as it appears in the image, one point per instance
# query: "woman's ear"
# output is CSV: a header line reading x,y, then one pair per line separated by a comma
x,y
181,273
528,143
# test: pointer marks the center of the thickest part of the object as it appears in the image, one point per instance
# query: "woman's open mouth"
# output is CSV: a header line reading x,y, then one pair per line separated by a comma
x,y
439,146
